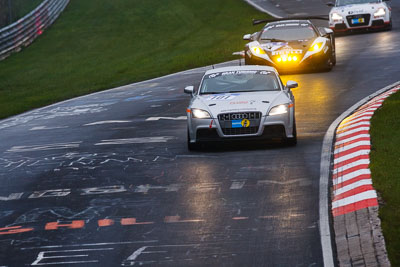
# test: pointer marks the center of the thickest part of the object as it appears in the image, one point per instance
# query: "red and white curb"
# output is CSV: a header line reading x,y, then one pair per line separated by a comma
x,y
344,169
352,183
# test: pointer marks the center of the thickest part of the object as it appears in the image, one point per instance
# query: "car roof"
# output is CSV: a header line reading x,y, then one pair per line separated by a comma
x,y
241,68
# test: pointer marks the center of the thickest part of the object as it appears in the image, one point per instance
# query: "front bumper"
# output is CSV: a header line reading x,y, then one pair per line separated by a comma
x,y
278,126
310,63
370,23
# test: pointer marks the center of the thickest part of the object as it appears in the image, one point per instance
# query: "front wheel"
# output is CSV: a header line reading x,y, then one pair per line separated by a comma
x,y
292,141
191,146
389,28
328,65
333,58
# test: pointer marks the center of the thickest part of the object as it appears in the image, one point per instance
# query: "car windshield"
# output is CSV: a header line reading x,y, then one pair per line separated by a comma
x,y
239,81
354,2
288,32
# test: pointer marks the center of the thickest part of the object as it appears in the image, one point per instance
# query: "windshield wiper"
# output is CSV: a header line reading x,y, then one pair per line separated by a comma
x,y
212,93
245,91
273,40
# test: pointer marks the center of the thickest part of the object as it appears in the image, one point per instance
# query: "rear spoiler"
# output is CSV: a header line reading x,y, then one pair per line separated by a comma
x,y
259,21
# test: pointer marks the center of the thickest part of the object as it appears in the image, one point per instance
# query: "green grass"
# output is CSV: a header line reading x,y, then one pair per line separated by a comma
x,y
385,163
100,44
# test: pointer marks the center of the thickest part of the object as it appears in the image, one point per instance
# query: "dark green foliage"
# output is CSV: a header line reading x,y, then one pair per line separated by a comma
x,y
100,44
385,167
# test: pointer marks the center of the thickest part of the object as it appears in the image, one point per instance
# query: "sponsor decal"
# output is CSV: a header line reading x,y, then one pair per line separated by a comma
x,y
245,123
239,103
236,124
286,51
221,97
236,72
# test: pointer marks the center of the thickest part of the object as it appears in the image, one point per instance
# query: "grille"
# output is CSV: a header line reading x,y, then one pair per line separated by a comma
x,y
366,17
225,120
239,131
239,116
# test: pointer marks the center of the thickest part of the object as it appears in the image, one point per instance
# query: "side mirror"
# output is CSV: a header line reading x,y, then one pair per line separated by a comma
x,y
330,4
189,89
247,37
325,31
328,30
291,84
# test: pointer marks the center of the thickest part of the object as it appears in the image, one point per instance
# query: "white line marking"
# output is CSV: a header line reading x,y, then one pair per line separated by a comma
x,y
138,140
167,188
136,254
38,128
180,118
92,244
41,256
301,181
44,147
371,194
104,122
237,184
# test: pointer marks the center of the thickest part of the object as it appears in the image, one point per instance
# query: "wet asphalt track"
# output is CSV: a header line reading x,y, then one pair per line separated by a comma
x,y
113,170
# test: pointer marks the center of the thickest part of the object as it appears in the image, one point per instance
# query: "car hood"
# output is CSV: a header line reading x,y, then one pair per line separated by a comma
x,y
296,44
357,9
240,102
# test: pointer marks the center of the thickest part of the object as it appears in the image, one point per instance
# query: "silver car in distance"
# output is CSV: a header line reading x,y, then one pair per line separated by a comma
x,y
241,103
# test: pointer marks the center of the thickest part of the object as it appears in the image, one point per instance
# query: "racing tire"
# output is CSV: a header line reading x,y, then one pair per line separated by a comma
x,y
192,146
328,64
389,28
292,141
333,59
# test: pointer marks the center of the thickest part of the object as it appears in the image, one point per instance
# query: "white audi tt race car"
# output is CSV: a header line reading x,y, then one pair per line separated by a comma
x,y
347,15
240,103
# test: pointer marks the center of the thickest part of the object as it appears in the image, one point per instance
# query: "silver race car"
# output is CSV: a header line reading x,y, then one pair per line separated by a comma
x,y
239,103
348,15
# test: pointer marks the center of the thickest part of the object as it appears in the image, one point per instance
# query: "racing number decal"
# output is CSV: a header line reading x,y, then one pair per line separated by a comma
x,y
245,123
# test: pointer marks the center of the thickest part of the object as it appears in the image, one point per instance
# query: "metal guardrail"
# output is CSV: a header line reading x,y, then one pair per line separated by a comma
x,y
25,30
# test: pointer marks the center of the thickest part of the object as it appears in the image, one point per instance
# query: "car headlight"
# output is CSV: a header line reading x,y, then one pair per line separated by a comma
x,y
257,50
278,110
380,12
200,114
336,16
316,47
